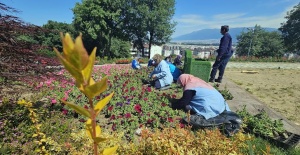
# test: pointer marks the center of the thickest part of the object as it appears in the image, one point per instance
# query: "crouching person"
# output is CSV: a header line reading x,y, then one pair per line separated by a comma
x,y
161,75
135,64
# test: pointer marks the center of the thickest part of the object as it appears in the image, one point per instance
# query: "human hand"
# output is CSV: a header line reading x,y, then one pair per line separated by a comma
x,y
153,76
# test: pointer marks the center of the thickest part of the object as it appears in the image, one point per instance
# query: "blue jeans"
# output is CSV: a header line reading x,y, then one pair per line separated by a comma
x,y
220,65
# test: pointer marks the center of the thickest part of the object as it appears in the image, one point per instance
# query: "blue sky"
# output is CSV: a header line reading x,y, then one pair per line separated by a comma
x,y
190,15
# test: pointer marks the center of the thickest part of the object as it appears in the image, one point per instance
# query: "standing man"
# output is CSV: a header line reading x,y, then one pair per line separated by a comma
x,y
224,53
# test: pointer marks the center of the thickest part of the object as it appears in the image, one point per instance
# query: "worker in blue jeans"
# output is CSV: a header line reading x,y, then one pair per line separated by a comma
x,y
224,54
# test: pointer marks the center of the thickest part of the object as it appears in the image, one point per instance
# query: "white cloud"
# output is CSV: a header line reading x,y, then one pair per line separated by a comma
x,y
189,23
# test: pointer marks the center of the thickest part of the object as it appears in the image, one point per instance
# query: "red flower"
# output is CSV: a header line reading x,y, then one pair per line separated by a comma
x,y
138,108
114,127
64,111
173,96
182,125
149,89
170,119
132,88
145,99
86,107
127,115
149,121
82,120
112,117
110,108
163,104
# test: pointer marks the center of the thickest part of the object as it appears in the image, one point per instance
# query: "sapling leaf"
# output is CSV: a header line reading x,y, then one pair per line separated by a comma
x,y
79,56
110,151
101,104
95,89
77,108
87,71
70,68
89,129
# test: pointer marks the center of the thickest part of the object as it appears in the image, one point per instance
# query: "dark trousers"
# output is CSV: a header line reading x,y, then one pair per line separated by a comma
x,y
155,83
220,65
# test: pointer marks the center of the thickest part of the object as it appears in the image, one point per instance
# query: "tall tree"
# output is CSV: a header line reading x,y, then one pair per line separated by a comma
x,y
290,29
51,37
160,26
99,21
260,43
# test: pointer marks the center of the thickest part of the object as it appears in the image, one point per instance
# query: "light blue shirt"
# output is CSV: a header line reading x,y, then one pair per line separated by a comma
x,y
208,102
162,73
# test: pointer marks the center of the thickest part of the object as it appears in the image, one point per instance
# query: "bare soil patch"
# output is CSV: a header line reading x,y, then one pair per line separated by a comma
x,y
279,89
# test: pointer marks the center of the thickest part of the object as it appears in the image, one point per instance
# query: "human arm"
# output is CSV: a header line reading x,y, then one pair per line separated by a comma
x,y
160,71
184,100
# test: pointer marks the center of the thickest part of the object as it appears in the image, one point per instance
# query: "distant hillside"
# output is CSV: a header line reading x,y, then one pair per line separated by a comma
x,y
212,34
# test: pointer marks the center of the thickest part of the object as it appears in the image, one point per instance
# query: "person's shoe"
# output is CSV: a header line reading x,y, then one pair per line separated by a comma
x,y
218,80
211,80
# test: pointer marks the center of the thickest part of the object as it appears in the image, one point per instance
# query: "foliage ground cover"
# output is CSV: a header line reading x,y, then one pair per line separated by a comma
x,y
129,109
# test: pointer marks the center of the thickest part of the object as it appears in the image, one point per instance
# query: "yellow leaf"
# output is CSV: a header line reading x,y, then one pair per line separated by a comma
x,y
79,57
70,68
87,71
77,108
68,44
99,139
89,129
95,89
110,151
102,103
89,132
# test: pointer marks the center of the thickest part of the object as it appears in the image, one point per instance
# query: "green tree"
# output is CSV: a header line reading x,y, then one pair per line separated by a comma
x,y
260,43
160,26
51,35
99,21
290,29
120,48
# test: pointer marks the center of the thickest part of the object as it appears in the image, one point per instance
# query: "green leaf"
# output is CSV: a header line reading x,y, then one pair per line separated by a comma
x,y
77,108
110,151
95,89
101,104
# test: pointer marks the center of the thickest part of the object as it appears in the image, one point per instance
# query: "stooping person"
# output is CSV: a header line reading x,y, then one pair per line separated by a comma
x,y
200,98
174,71
135,64
177,60
161,75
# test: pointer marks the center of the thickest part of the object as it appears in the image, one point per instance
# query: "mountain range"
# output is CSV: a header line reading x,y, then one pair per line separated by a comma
x,y
212,35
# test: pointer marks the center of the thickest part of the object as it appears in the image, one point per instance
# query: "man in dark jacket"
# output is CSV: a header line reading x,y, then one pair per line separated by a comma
x,y
224,53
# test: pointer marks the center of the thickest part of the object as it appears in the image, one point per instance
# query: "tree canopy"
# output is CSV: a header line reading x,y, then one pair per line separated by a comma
x,y
260,43
290,29
138,21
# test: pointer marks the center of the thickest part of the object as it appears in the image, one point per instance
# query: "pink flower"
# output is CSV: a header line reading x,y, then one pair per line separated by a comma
x,y
145,99
53,101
